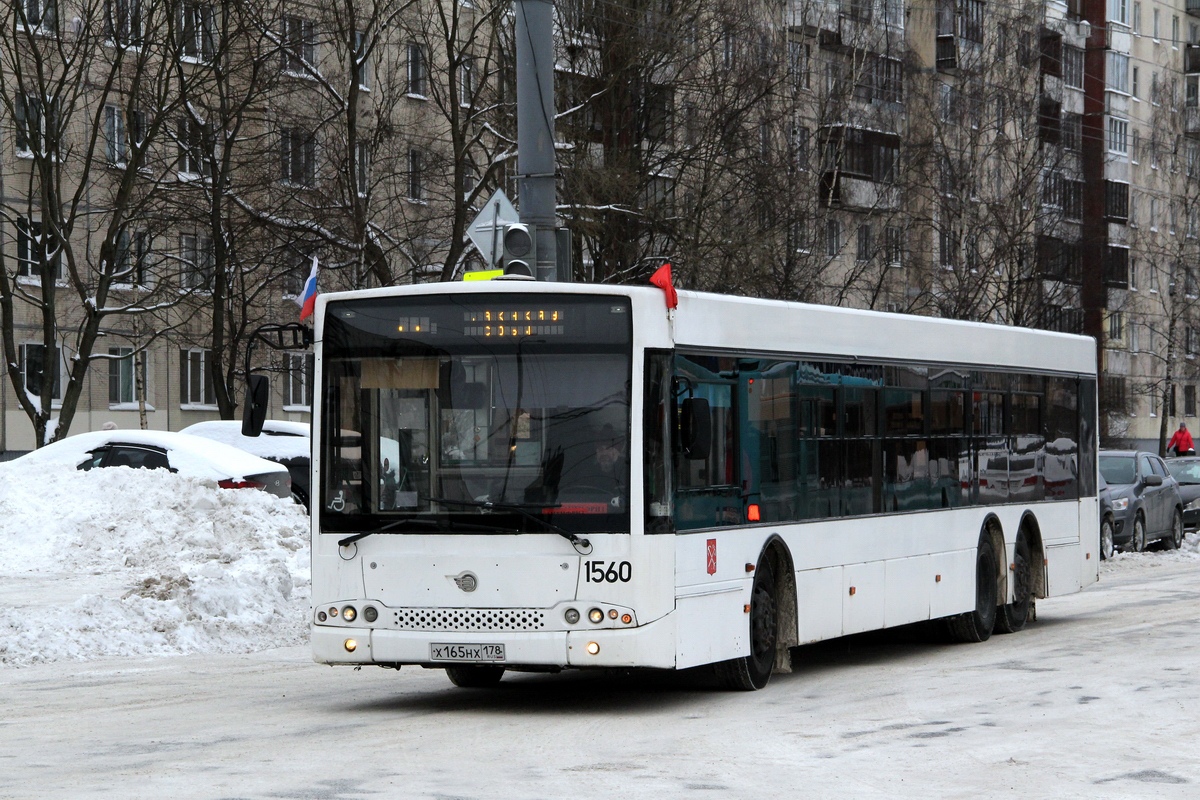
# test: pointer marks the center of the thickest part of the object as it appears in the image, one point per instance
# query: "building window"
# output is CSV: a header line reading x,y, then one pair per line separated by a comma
x,y
1116,201
299,45
362,168
122,388
416,178
297,157
895,246
1116,326
42,14
298,267
123,21
362,63
1118,135
37,123
197,31
1189,400
1118,71
196,261
864,243
299,368
195,383
833,238
416,69
116,140
34,368
466,82
37,250
132,261
193,159
1073,66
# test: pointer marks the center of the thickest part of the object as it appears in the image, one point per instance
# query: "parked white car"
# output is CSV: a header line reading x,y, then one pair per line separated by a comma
x,y
194,456
282,441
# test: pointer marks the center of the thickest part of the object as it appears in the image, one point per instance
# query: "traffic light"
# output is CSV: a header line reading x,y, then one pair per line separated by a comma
x,y
519,249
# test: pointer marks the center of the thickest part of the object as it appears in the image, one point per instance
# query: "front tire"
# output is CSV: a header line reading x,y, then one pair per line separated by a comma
x,y
1176,540
752,672
1138,543
1106,539
1013,616
470,676
977,625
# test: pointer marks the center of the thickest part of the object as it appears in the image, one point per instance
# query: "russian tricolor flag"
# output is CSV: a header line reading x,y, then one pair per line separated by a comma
x,y
308,298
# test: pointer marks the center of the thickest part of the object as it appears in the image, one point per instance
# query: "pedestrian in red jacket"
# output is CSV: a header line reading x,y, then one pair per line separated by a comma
x,y
1182,442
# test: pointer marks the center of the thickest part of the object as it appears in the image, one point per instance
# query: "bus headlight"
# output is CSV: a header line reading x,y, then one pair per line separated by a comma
x,y
571,615
349,613
370,613
596,616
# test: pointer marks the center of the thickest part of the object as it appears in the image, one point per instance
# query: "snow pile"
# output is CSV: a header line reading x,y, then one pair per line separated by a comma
x,y
1154,557
122,562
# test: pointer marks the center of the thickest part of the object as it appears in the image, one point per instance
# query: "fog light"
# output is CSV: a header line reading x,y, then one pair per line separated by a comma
x,y
370,613
332,612
612,613
350,645
322,616
596,615
626,618
593,648
571,615
348,613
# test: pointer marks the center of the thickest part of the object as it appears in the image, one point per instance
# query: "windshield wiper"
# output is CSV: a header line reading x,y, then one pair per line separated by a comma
x,y
438,524
522,509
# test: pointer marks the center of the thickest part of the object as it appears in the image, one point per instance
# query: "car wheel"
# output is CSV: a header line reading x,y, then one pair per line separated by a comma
x,y
1106,539
1176,540
1138,543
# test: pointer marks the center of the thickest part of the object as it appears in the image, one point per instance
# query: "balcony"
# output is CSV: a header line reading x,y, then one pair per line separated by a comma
x,y
1193,7
1191,121
1191,59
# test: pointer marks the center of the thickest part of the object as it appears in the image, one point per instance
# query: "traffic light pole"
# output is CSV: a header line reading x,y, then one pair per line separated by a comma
x,y
535,129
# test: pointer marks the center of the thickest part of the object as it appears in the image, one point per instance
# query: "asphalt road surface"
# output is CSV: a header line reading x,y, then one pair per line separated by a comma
x,y
1097,699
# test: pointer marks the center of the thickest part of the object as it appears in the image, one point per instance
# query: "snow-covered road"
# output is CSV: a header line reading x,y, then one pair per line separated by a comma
x,y
1098,699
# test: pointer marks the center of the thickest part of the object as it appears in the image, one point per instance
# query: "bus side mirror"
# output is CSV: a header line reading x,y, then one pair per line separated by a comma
x,y
254,411
695,427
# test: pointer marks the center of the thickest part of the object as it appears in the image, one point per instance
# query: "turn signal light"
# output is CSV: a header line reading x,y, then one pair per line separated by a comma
x,y
626,618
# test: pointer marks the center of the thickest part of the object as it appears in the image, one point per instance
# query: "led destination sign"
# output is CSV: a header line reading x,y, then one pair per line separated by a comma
x,y
512,322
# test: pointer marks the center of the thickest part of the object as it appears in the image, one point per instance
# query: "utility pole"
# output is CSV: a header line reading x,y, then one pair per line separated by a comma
x,y
535,130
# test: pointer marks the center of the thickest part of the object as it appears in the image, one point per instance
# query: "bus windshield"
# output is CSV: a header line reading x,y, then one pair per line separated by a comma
x,y
476,414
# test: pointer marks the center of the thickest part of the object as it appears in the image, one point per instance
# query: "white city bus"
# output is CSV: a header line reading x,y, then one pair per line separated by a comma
x,y
535,476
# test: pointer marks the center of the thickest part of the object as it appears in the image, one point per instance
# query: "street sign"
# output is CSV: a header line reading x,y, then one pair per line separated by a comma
x,y
487,229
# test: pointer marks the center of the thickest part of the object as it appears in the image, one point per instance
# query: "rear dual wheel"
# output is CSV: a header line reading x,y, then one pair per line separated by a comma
x,y
977,625
1011,617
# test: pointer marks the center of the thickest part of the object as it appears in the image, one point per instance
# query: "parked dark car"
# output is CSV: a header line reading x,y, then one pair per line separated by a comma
x,y
1187,472
1145,500
1107,521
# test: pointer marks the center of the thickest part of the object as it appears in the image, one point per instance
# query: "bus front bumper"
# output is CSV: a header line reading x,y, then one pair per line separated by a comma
x,y
649,645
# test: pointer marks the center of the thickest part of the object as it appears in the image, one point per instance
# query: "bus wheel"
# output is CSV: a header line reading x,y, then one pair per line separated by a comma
x,y
1012,617
976,626
474,677
752,672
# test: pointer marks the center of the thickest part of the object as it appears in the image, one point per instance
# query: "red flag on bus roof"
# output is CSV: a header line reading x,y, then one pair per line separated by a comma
x,y
662,279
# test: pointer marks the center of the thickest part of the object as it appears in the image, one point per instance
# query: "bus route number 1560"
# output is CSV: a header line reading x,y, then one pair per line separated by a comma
x,y
607,571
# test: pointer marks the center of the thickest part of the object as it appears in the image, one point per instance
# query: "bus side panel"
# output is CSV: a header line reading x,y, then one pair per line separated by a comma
x,y
712,627
953,583
1089,538
908,587
863,593
1062,571
819,604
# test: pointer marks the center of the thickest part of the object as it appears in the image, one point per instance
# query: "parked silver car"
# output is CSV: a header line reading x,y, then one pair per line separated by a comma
x,y
1145,500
